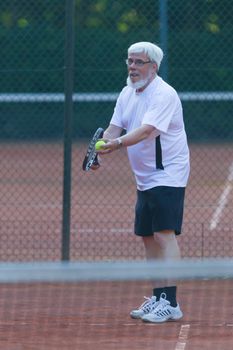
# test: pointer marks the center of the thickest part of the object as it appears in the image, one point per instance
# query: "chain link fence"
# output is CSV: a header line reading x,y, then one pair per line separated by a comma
x,y
196,38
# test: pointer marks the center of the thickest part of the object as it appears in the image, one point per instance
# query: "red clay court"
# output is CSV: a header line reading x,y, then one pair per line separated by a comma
x,y
96,314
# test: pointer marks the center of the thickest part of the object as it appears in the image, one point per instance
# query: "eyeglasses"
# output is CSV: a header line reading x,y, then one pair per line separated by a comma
x,y
137,62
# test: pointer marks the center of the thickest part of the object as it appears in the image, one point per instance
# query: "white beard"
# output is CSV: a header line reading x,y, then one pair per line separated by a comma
x,y
138,85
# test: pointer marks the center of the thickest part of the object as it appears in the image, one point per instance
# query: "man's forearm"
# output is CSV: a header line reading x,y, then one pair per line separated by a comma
x,y
112,132
115,141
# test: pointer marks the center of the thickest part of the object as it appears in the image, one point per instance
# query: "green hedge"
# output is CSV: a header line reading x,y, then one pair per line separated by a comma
x,y
205,121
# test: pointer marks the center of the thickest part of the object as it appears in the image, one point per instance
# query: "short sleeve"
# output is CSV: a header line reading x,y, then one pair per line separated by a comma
x,y
160,112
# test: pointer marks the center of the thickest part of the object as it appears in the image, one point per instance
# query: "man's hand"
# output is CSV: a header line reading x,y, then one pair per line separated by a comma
x,y
109,146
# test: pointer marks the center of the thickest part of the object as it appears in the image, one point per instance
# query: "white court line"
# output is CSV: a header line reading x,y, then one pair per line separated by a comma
x,y
183,337
223,199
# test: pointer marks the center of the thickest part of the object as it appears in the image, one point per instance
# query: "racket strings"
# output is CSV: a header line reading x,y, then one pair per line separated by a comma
x,y
91,155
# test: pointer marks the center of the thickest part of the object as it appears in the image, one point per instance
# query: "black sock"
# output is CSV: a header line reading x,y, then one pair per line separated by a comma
x,y
157,292
171,295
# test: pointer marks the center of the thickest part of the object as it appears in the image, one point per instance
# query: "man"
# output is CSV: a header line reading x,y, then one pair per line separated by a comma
x,y
151,113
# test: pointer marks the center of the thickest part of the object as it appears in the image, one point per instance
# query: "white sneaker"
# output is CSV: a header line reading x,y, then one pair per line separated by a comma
x,y
148,305
163,312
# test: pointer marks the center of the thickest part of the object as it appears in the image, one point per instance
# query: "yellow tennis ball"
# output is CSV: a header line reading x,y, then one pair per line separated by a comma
x,y
99,144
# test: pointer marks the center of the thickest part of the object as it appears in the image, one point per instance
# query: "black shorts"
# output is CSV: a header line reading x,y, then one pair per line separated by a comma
x,y
159,208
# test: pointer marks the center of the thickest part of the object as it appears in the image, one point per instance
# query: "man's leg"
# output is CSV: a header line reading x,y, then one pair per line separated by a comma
x,y
163,245
152,248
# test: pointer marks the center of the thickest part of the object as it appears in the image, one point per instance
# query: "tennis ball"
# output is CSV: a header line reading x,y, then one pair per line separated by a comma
x,y
99,144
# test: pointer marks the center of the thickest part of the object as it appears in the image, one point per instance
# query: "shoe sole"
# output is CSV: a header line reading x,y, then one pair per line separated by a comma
x,y
136,317
163,320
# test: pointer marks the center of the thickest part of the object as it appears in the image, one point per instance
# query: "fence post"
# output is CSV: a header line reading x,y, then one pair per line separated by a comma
x,y
163,21
68,119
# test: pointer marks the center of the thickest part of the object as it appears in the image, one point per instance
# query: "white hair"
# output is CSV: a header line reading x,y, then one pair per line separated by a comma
x,y
154,53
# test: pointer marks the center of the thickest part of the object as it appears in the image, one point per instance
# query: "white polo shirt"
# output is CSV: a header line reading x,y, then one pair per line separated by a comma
x,y
160,106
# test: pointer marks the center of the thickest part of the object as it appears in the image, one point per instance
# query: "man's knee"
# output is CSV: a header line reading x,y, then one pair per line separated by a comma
x,y
164,237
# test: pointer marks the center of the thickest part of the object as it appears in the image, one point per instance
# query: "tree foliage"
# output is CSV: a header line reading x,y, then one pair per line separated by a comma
x,y
32,35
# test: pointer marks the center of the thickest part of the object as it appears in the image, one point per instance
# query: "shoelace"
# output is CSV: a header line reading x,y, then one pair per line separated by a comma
x,y
163,302
148,303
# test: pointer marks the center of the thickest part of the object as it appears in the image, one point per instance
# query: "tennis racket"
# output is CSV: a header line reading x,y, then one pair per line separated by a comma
x,y
91,157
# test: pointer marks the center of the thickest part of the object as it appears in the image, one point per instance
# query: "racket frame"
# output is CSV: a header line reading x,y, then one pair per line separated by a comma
x,y
91,156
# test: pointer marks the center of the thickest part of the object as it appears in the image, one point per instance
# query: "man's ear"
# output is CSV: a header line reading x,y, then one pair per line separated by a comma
x,y
155,66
